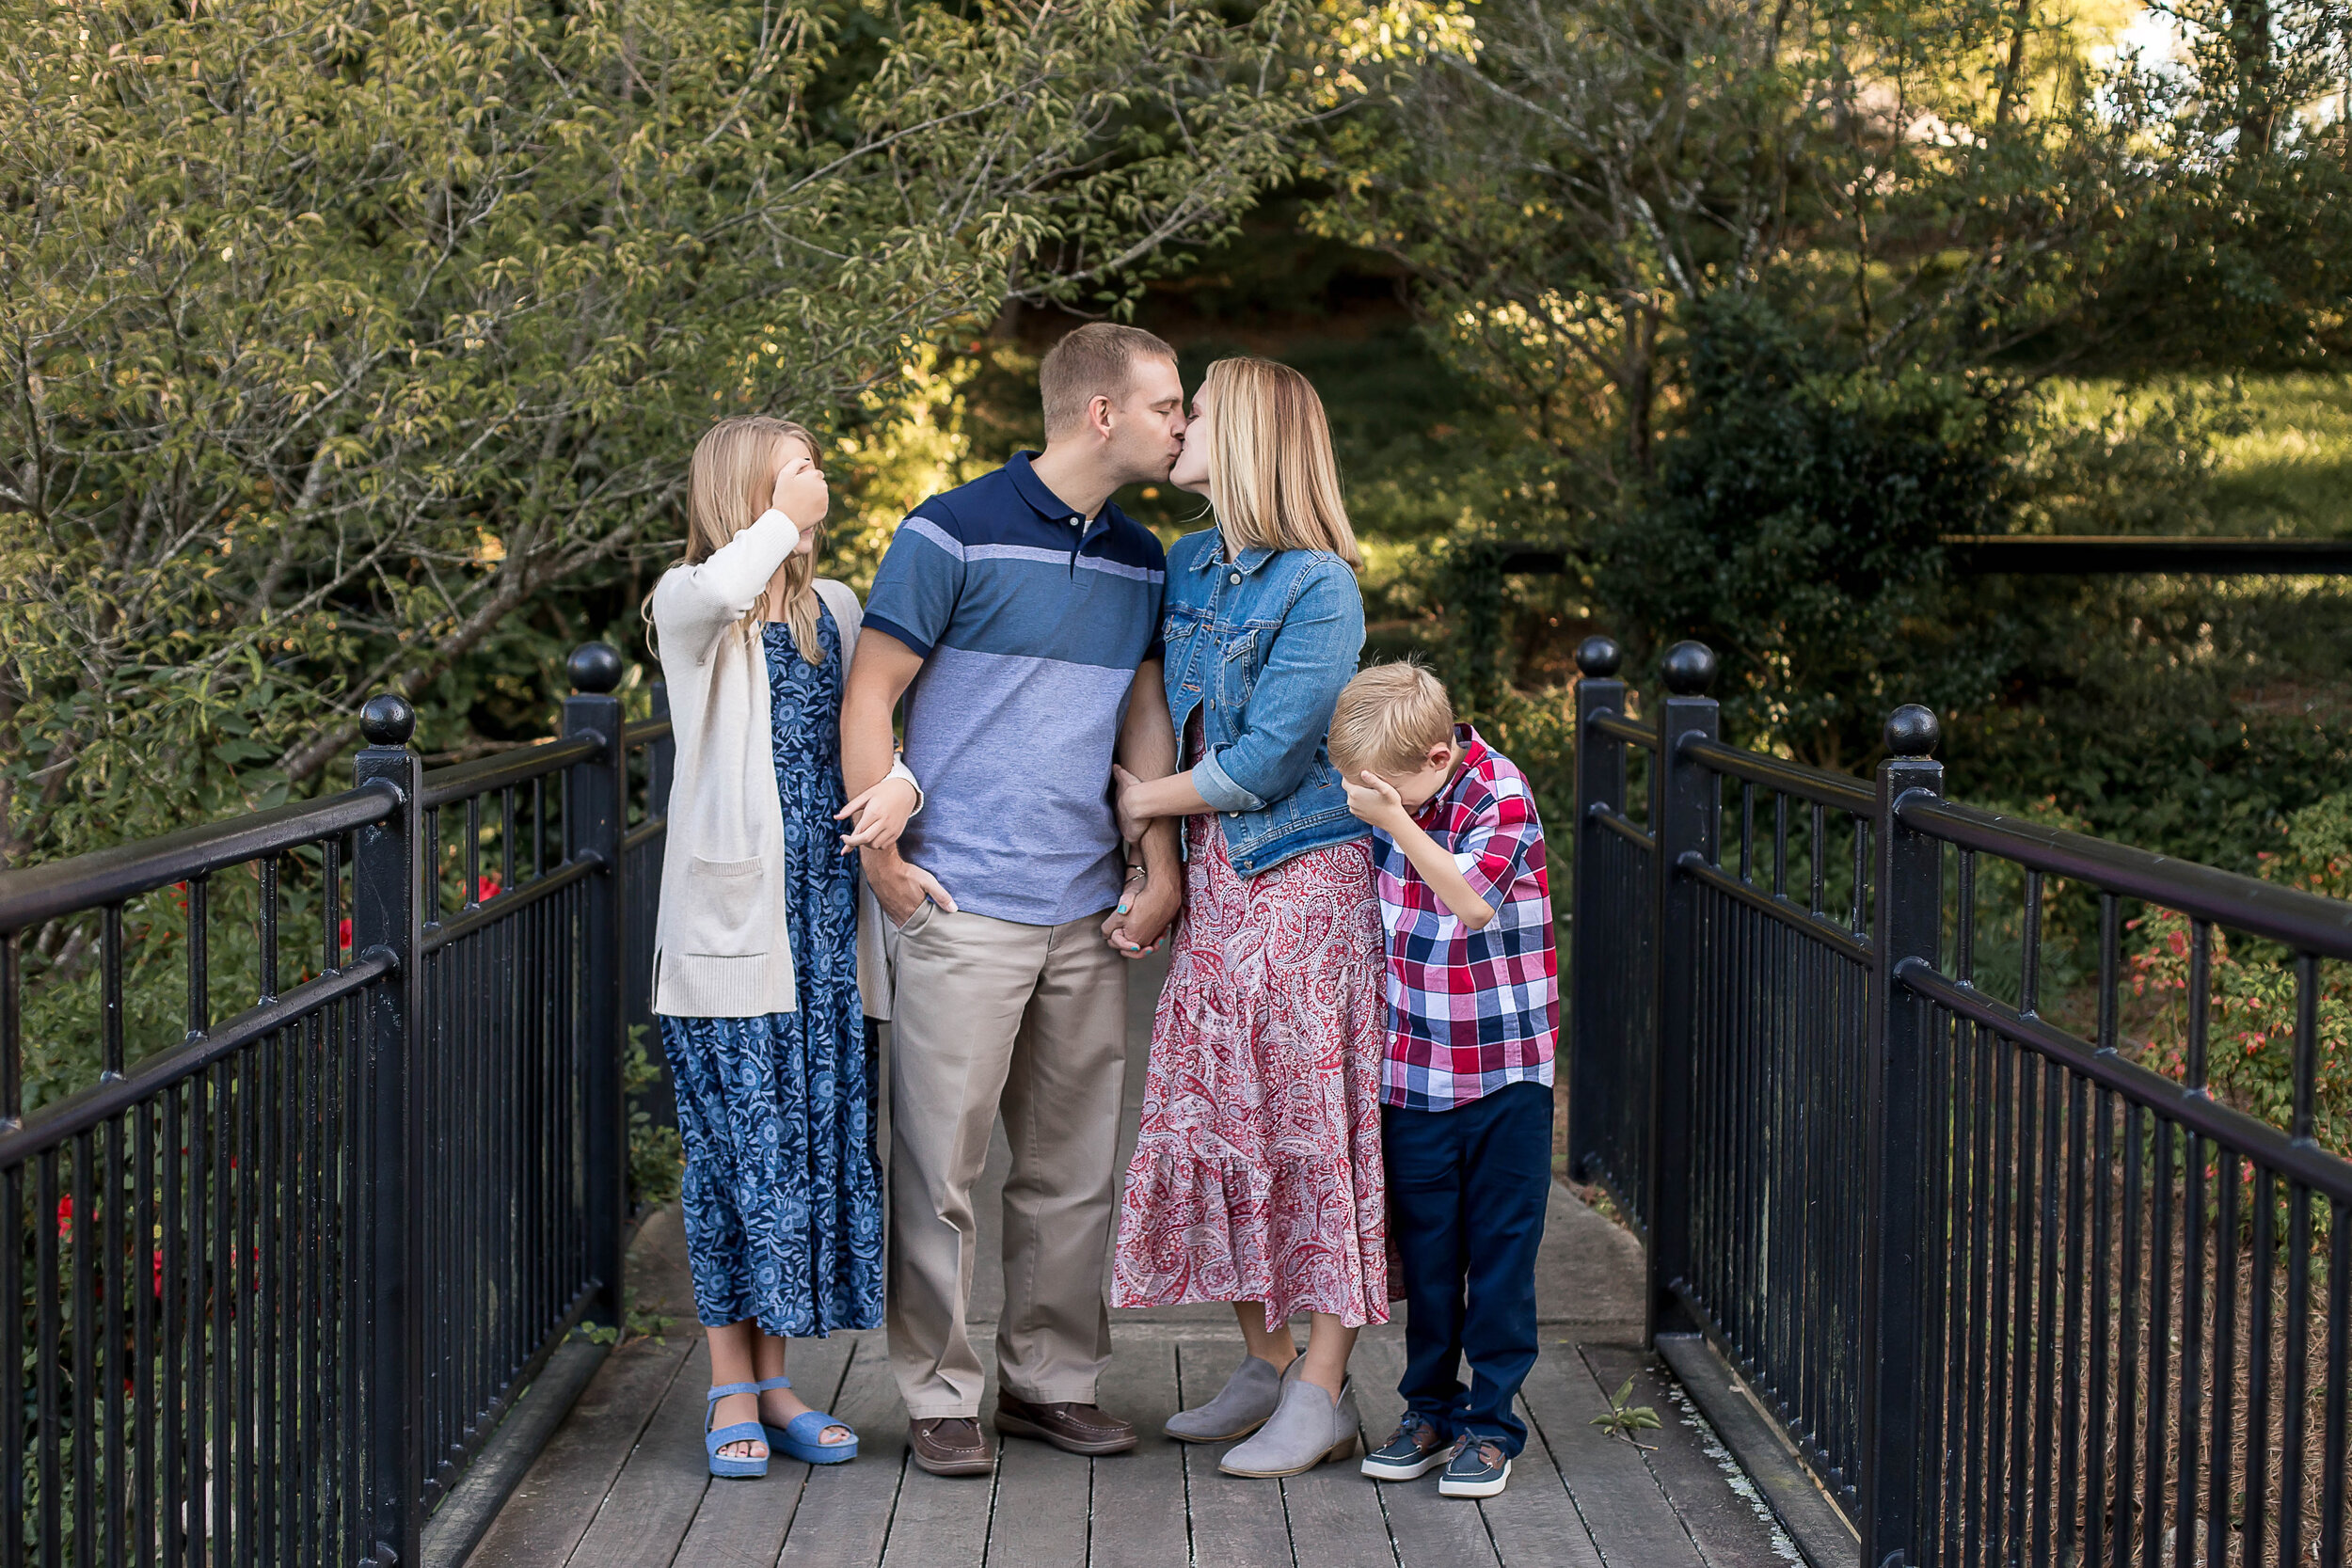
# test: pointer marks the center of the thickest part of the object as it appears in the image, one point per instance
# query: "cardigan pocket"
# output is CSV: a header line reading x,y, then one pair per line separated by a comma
x,y
729,913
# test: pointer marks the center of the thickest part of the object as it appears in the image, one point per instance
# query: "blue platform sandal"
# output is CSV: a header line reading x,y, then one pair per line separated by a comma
x,y
799,1437
741,1432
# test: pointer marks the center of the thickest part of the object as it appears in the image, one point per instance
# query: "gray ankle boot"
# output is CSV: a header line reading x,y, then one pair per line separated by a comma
x,y
1306,1428
1240,1408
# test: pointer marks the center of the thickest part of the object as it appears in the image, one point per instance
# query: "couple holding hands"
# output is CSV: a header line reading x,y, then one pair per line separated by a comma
x,y
1354,1044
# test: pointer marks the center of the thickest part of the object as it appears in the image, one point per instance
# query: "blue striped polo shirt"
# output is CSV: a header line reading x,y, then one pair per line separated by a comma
x,y
1031,622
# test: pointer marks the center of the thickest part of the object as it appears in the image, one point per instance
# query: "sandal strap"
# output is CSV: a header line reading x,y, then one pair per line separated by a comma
x,y
815,1422
767,1383
741,1432
724,1389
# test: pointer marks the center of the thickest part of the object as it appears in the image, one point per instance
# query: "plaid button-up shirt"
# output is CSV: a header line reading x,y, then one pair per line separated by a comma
x,y
1470,1011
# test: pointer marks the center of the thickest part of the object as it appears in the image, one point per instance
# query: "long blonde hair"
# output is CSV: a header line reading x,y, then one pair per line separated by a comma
x,y
1272,478
726,490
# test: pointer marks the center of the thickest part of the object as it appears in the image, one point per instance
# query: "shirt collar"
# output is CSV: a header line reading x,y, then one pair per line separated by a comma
x,y
1033,490
1251,558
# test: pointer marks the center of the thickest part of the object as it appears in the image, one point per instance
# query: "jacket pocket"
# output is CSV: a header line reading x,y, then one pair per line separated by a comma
x,y
730,914
1241,671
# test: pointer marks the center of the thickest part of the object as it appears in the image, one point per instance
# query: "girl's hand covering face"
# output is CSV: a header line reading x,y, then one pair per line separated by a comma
x,y
799,490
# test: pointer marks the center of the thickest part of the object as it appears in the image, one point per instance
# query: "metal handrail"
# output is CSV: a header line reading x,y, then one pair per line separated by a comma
x,y
504,770
110,876
1610,722
1840,790
2303,920
645,731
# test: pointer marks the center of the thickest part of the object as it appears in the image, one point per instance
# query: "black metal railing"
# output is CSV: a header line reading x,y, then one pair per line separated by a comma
x,y
271,1284
2015,1296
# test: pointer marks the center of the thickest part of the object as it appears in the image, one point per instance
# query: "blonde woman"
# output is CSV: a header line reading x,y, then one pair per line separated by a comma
x,y
1257,1177
757,960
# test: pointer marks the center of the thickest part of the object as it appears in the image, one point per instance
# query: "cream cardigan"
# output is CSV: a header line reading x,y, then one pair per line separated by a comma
x,y
722,943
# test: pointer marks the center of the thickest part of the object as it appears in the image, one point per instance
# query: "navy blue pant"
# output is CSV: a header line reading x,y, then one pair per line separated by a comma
x,y
1467,1190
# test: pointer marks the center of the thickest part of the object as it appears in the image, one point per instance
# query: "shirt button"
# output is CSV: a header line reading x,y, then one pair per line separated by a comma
x,y
1235,578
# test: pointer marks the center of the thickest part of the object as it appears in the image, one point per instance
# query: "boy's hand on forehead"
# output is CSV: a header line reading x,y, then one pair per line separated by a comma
x,y
1376,800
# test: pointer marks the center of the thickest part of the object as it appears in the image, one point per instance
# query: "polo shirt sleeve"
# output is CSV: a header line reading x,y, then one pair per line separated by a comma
x,y
1492,852
918,584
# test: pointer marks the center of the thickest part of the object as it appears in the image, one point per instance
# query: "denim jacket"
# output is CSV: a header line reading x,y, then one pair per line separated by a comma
x,y
1261,645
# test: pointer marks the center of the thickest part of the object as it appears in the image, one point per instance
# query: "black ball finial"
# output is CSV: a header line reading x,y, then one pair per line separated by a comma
x,y
1599,657
387,719
1912,731
1689,668
595,667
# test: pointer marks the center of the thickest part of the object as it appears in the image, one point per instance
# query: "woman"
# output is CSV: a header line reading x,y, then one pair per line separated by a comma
x,y
1257,1177
757,954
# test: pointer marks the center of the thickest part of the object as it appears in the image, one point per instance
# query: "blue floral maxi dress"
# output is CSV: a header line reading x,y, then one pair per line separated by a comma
x,y
783,1193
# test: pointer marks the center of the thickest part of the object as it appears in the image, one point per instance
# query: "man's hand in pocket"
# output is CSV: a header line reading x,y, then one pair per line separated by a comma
x,y
900,887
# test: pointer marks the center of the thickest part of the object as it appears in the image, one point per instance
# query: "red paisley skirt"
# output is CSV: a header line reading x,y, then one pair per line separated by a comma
x,y
1257,1176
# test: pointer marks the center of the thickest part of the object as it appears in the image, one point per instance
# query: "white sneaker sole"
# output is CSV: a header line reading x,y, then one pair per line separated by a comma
x,y
1451,1488
1390,1470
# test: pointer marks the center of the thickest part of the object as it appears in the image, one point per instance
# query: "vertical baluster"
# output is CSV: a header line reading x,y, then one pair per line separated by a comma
x,y
2047,1330
2297,1391
473,852
1999,1329
199,960
175,1318
146,1267
2336,1440
48,1345
1747,834
268,934
2102,1240
506,839
1816,852
2159,1343
2259,1304
2070,1362
2020,1320
247,1304
75,1227
195,1386
1593,1048
2224,1434
221,1434
331,901
2127,1338
2193,1254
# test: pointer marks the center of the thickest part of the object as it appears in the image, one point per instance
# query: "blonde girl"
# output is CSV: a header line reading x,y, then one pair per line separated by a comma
x,y
756,951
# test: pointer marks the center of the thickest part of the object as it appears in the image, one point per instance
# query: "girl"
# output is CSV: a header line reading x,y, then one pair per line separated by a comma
x,y
758,948
1257,1176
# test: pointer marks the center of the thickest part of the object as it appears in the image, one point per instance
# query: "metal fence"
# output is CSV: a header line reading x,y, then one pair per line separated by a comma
x,y
270,1287
2014,1296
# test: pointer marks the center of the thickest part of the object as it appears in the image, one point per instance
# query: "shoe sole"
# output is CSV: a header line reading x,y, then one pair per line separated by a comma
x,y
1234,1436
1344,1450
1390,1469
1013,1426
952,1467
1476,1488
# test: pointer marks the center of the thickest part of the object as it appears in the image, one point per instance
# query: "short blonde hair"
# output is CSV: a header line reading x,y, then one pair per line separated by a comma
x,y
1272,478
1388,718
1098,361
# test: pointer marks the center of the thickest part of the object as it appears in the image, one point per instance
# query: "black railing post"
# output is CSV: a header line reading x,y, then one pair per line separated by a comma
x,y
594,811
1685,823
1897,1142
387,871
1599,783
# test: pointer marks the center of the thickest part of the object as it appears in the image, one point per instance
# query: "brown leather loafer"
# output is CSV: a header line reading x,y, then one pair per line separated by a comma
x,y
1070,1427
950,1445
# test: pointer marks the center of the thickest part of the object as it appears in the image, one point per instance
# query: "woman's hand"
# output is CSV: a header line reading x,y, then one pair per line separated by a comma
x,y
800,491
1376,801
1131,826
880,815
1146,908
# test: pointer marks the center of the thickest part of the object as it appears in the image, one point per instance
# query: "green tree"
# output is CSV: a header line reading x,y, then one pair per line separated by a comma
x,y
336,337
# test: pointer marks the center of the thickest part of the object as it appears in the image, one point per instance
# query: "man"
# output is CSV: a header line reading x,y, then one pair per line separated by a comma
x,y
1019,615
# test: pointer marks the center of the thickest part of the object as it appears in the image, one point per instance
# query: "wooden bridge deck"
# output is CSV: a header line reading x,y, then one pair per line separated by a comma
x,y
621,1485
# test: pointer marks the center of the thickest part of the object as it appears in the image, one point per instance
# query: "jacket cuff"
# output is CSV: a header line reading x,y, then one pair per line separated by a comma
x,y
1218,787
899,769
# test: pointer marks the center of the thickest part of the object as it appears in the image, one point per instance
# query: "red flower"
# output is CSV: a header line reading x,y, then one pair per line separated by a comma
x,y
65,1216
342,935
486,887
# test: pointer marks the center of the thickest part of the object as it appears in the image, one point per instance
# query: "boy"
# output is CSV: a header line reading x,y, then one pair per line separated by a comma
x,y
1466,1091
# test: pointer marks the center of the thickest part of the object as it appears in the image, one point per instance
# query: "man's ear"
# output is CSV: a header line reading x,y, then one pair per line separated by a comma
x,y
1099,411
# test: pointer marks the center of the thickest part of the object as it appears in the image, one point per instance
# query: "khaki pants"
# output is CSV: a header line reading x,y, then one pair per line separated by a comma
x,y
1034,1018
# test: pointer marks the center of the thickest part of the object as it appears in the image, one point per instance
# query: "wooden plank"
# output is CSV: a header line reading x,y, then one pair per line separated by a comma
x,y
1235,1522
1732,1530
1628,1515
1818,1529
743,1526
1042,1499
1140,1497
458,1525
843,1519
654,1499
1535,1523
1429,1531
944,1519
553,1507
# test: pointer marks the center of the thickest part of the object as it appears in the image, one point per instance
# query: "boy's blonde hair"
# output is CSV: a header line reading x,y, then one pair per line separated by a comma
x,y
727,487
1388,718
1272,478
